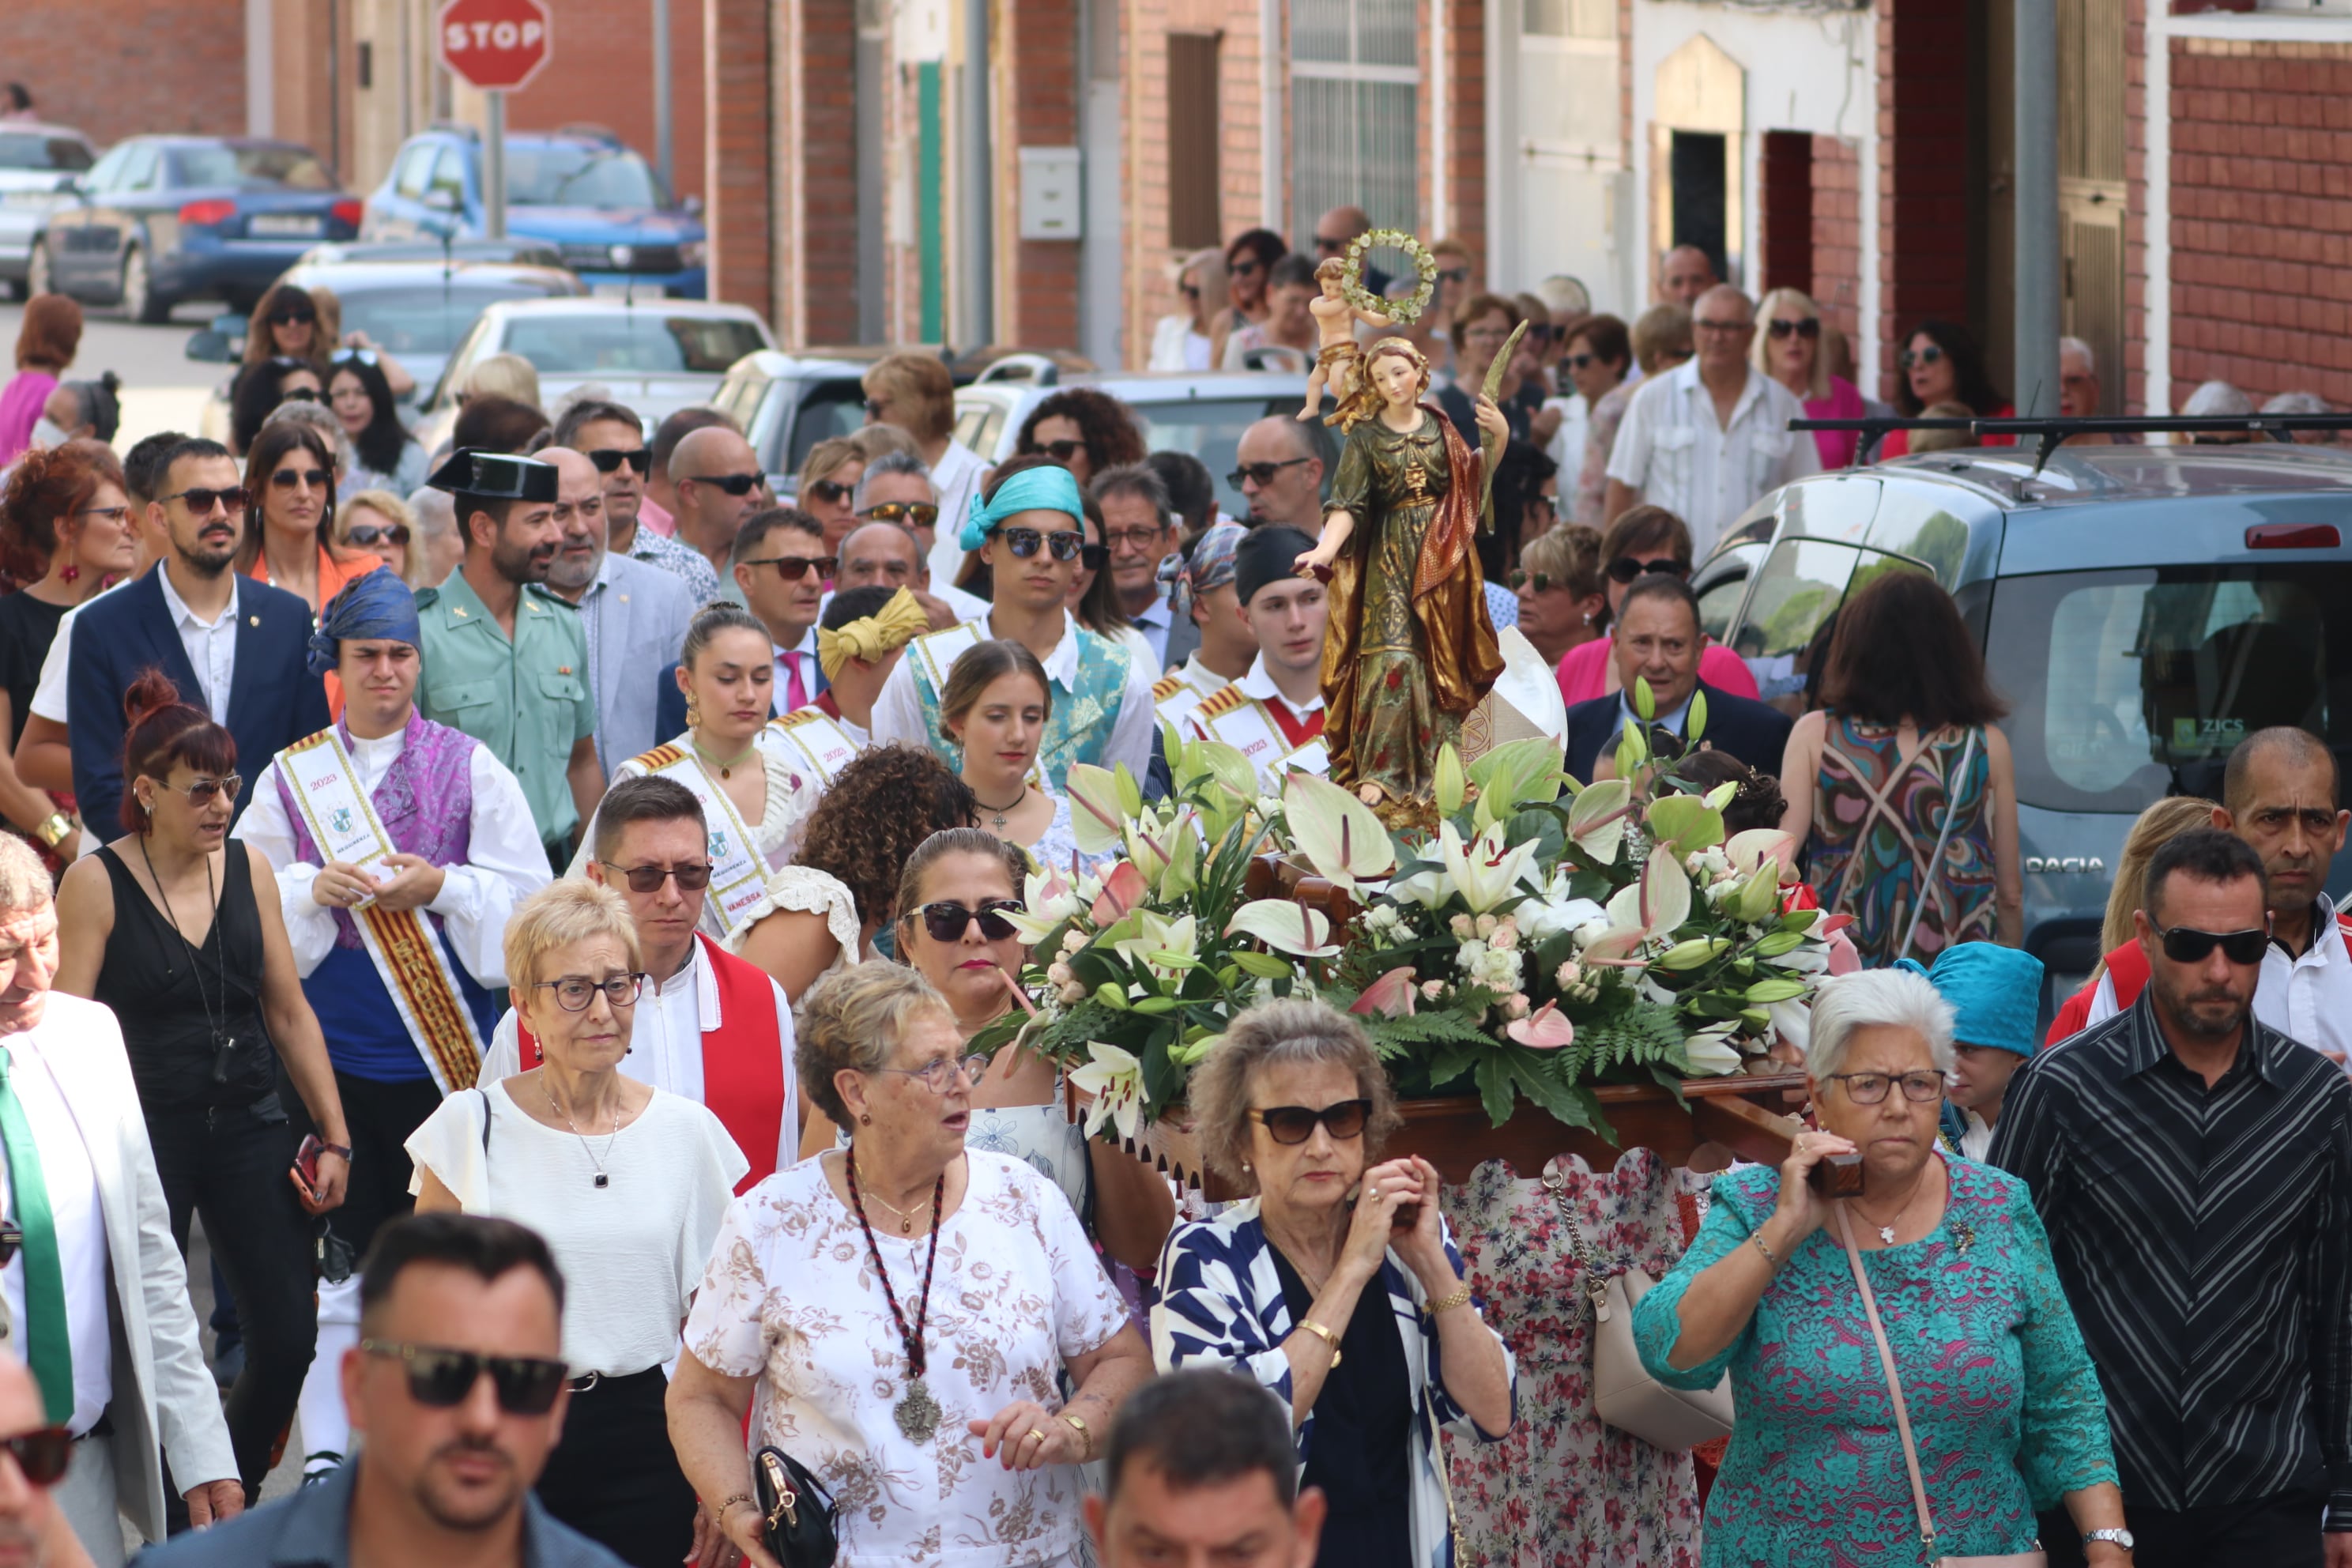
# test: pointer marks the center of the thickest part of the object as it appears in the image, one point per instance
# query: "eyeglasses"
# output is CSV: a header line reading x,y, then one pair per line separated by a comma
x,y
1929,355
913,513
2185,944
1580,362
1118,539
733,484
202,792
692,876
1249,269
1297,1123
1625,568
831,494
573,993
299,394
610,459
1541,582
43,1456
1262,474
292,316
1330,246
526,1384
939,1074
1454,274
946,921
1811,327
369,533
1870,1088
1062,451
1190,290
1066,544
201,501
115,513
876,406
793,568
353,356
286,478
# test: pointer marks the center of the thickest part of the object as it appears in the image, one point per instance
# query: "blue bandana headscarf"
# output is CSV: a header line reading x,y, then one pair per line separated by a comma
x,y
1995,993
1041,489
376,605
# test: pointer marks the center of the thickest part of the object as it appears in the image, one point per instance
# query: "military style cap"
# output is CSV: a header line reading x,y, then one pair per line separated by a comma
x,y
495,475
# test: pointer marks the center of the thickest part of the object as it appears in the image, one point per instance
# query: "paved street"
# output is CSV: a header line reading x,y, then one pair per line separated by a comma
x,y
162,389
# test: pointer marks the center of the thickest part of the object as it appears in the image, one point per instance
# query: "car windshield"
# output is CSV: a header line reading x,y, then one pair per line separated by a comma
x,y
564,175
1210,429
2127,685
827,409
423,318
24,150
640,343
260,168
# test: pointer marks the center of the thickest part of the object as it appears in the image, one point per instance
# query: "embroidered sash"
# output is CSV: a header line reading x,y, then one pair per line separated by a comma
x,y
812,741
1173,698
1252,728
739,874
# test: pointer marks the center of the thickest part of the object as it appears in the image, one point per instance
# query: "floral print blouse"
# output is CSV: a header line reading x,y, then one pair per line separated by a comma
x,y
2005,1405
790,1298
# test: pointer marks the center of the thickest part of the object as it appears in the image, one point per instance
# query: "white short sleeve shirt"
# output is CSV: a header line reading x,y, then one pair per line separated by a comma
x,y
1671,450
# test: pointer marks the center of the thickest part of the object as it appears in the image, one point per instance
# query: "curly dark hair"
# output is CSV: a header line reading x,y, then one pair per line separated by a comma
x,y
1109,429
884,804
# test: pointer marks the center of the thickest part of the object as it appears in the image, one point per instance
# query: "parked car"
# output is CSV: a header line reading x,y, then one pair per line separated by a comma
x,y
656,357
160,220
2142,609
787,403
580,190
38,165
520,252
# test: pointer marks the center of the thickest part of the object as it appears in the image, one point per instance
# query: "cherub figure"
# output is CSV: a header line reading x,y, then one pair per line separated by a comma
x,y
1335,319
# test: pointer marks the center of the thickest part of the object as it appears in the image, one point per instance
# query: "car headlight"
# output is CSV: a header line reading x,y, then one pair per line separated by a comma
x,y
622,256
691,253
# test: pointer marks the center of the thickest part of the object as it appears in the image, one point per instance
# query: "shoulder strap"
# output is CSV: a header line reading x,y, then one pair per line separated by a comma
x,y
1894,1383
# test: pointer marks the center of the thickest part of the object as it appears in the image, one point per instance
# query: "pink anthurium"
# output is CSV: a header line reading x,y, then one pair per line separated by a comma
x,y
1391,996
1123,889
1545,1029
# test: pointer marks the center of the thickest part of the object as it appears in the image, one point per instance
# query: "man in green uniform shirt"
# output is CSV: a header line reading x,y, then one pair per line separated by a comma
x,y
505,660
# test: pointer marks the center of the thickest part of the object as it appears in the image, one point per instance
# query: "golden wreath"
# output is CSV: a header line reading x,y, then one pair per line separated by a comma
x,y
1403,312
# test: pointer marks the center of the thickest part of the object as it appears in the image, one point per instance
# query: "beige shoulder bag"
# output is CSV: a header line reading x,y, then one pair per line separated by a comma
x,y
2035,1559
1625,1395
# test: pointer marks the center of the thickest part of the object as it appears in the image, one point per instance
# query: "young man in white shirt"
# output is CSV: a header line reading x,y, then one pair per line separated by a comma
x,y
1275,713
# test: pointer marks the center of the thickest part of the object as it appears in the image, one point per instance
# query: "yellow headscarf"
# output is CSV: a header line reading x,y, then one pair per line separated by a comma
x,y
871,637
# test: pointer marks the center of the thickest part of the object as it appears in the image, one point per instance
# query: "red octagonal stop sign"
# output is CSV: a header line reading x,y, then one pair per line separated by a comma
x,y
494,44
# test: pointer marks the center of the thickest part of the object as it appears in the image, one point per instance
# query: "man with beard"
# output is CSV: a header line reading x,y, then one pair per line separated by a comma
x,y
505,660
234,647
451,1454
2193,1166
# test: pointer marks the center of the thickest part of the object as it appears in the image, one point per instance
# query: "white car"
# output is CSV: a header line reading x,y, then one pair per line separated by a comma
x,y
37,166
654,356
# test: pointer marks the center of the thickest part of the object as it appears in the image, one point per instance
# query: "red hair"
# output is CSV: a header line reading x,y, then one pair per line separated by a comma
x,y
163,734
45,489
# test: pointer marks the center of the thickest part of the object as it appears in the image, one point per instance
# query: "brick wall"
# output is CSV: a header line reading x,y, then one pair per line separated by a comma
x,y
1923,162
1837,233
1465,130
601,74
2134,389
736,155
814,220
111,68
1036,105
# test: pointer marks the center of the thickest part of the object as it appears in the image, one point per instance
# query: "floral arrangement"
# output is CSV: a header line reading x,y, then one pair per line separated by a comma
x,y
1539,943
1404,312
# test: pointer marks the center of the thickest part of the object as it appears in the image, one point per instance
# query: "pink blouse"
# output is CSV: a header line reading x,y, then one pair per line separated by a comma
x,y
1584,671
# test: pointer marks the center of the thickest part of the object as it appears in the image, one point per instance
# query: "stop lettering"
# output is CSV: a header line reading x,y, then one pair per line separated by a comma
x,y
493,44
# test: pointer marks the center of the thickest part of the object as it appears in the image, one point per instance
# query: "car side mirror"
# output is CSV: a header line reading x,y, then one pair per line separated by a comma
x,y
441,200
209,345
691,206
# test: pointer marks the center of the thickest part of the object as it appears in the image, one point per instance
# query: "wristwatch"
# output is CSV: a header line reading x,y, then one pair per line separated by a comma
x,y
2122,1538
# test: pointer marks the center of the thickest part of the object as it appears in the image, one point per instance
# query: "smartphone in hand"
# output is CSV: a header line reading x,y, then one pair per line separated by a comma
x,y
306,1164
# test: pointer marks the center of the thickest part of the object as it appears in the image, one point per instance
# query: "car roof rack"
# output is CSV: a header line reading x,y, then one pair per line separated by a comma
x,y
2053,432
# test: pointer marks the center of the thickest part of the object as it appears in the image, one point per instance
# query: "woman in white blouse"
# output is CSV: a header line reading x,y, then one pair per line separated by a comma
x,y
907,1306
626,1183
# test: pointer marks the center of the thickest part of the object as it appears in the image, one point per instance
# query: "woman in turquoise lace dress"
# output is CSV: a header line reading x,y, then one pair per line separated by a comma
x,y
2004,1403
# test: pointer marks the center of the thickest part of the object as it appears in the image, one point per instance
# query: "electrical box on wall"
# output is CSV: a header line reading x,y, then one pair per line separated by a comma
x,y
1051,207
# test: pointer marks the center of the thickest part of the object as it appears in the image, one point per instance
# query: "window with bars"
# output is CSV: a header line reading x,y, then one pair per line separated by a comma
x,y
1355,106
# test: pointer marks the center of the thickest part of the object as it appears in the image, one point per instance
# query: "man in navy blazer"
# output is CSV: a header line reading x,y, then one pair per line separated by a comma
x,y
234,647
1657,640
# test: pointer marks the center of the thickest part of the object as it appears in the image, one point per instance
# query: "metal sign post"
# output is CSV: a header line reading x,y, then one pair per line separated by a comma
x,y
494,168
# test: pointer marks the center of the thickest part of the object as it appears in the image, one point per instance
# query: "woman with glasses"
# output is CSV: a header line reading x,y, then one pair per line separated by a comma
x,y
1941,363
179,931
1595,354
828,482
1791,350
922,1320
1249,274
285,324
1998,1395
389,457
1181,340
626,1183
289,518
262,389
380,523
1336,1285
1085,431
1559,584
1643,540
1480,328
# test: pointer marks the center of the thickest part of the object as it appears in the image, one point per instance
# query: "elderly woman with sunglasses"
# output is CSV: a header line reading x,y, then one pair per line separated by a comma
x,y
1643,540
628,1185
911,1307
1791,347
1337,1286
1997,1394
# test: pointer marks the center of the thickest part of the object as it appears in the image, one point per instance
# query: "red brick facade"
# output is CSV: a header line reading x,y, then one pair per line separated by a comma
x,y
1036,101
176,67
1923,170
737,157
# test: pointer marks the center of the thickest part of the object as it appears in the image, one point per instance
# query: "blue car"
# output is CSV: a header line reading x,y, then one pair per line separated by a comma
x,y
599,203
160,220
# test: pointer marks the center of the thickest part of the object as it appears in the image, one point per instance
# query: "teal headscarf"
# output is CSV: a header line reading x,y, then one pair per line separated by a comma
x,y
1995,993
1041,489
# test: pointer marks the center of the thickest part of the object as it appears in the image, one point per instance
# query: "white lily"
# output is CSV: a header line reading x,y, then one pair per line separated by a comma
x,y
1157,937
1710,1052
1486,871
1793,1023
1115,1079
1284,926
1048,899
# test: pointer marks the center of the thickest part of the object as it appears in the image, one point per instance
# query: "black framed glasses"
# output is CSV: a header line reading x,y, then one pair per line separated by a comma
x,y
1870,1088
1809,328
692,876
1137,539
877,407
938,1074
299,395
733,484
1343,1119
286,478
201,501
1062,451
1262,474
1929,355
913,513
830,493
1248,267
1542,581
1065,544
202,792
1453,274
610,459
43,1455
947,919
1580,362
2186,945
369,533
793,568
1327,245
1625,568
441,1377
577,992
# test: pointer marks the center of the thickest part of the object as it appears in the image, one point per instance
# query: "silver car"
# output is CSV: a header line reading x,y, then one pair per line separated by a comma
x,y
38,165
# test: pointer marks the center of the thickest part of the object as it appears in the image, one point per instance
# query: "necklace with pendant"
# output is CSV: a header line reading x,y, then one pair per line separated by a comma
x,y
725,769
1886,1231
999,814
917,1412
905,1220
603,1178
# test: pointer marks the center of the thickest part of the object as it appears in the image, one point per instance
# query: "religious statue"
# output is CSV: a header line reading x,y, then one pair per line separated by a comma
x,y
1336,316
1411,649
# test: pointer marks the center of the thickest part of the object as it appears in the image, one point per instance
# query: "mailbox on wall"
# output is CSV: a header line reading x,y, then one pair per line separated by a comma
x,y
1051,207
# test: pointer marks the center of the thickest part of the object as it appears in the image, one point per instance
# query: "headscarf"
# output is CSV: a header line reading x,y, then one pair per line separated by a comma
x,y
873,637
1210,566
1047,487
378,604
1995,993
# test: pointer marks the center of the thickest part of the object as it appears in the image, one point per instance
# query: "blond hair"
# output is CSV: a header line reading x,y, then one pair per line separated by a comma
x,y
560,914
1801,304
851,1021
1281,1034
924,391
504,375
2159,825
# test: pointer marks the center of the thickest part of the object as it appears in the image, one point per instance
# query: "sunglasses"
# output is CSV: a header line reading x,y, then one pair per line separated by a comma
x,y
1870,1088
526,1384
913,513
692,876
610,459
1542,581
114,514
573,993
1065,545
369,533
1811,327
875,407
1330,246
2185,944
1297,1123
1580,362
793,568
286,478
1062,451
203,791
1262,474
733,484
946,921
1244,269
1625,568
202,501
1190,290
292,317
830,493
354,356
299,395
1454,274
1929,355
43,1456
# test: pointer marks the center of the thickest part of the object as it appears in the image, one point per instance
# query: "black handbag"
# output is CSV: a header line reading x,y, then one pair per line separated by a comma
x,y
797,1511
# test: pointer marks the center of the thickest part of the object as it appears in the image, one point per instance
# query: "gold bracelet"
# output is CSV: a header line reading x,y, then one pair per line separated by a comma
x,y
55,829
1758,1238
1086,1437
1310,1326
720,1512
1457,1296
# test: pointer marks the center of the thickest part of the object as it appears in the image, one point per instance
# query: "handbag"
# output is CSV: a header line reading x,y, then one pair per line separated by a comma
x,y
1625,1395
797,1511
2033,1559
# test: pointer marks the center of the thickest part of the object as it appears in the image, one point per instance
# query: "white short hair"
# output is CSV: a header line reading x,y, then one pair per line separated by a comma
x,y
2297,403
1889,998
2078,347
2217,398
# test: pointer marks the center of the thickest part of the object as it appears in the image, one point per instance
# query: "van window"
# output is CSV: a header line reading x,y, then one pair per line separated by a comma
x,y
415,167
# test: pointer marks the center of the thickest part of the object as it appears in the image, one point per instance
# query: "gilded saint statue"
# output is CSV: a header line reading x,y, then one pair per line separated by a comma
x,y
1411,649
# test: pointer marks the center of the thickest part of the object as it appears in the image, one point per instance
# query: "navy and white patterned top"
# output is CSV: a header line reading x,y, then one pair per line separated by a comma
x,y
1220,1302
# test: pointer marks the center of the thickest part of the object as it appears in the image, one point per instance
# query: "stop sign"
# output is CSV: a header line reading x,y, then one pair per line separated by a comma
x,y
493,44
